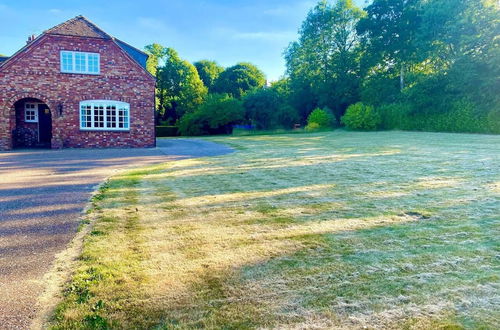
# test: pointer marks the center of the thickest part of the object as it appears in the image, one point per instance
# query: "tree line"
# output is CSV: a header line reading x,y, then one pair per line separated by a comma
x,y
395,64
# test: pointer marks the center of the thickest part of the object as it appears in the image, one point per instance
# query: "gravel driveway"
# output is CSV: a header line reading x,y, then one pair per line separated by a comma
x,y
42,194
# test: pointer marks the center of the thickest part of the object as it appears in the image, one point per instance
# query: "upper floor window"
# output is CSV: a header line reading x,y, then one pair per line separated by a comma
x,y
79,62
104,115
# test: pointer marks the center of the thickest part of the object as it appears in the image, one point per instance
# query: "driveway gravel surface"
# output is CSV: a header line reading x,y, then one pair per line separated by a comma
x,y
42,195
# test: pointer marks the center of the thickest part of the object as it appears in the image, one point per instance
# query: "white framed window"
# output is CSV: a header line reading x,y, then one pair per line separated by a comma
x,y
31,112
104,115
80,62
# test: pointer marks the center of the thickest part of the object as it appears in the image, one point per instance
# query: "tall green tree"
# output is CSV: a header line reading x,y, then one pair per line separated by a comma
x,y
462,38
239,79
390,29
156,54
324,62
208,71
180,89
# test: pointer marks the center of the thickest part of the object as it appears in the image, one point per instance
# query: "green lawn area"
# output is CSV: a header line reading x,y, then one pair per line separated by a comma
x,y
337,229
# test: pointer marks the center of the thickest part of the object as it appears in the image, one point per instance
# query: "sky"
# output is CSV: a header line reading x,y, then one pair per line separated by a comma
x,y
227,31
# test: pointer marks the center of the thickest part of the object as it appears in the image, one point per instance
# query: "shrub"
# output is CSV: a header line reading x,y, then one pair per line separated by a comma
x,y
268,109
216,115
395,116
322,119
493,120
361,117
460,116
162,131
312,127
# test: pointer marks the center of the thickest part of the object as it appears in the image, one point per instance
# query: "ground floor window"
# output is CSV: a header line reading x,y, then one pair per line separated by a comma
x,y
31,112
104,115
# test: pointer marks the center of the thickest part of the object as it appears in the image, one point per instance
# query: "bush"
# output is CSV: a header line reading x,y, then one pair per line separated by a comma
x,y
493,120
461,116
163,131
268,109
312,127
395,116
362,117
321,118
216,115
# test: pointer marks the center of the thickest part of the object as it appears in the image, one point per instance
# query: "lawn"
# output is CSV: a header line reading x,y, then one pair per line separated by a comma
x,y
337,229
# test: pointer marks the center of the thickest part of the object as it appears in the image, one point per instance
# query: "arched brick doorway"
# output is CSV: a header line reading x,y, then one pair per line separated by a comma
x,y
33,124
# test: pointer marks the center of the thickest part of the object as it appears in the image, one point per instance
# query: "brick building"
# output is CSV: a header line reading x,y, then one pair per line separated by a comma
x,y
76,86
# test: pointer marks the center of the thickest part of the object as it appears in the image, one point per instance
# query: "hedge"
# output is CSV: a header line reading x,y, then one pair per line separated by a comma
x,y
164,131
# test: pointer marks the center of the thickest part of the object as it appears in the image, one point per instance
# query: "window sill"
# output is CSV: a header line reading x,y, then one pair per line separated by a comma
x,y
124,130
83,73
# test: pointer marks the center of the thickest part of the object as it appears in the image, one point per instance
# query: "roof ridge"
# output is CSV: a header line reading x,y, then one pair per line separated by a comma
x,y
58,25
94,25
98,30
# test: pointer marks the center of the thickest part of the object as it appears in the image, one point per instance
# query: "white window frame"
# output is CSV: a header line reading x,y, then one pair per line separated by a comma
x,y
35,109
104,103
73,58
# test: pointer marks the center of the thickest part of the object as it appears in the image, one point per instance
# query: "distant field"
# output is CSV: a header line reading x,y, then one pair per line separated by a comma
x,y
339,229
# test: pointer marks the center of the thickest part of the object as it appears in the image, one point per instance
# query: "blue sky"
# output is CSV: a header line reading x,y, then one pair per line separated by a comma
x,y
228,31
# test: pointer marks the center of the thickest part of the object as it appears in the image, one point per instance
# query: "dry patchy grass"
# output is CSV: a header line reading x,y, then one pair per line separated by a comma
x,y
328,230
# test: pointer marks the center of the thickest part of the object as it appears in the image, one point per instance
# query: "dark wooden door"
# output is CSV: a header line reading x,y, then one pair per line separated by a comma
x,y
45,125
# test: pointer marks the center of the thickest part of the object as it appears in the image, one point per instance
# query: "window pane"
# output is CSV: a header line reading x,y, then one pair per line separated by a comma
x,y
67,61
93,60
85,115
80,62
99,116
111,116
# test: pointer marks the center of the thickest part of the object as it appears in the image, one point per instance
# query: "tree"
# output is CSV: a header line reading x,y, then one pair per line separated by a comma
x,y
208,71
268,109
239,79
389,30
156,54
324,61
216,115
180,89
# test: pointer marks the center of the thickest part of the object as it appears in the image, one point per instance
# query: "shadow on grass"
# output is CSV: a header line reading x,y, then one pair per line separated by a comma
x,y
419,274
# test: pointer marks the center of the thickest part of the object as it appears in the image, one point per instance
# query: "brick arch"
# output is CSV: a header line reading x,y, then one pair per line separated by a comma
x,y
9,113
9,103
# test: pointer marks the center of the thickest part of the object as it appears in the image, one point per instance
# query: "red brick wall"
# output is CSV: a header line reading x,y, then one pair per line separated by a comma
x,y
35,73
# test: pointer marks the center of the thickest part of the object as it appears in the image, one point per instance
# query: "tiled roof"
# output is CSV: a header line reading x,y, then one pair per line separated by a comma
x,y
80,27
139,56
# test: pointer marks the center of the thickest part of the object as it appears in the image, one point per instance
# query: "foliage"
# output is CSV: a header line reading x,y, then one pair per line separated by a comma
x,y
362,117
216,115
323,65
312,127
239,79
208,71
380,88
389,30
180,89
156,54
267,109
460,117
320,118
163,131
